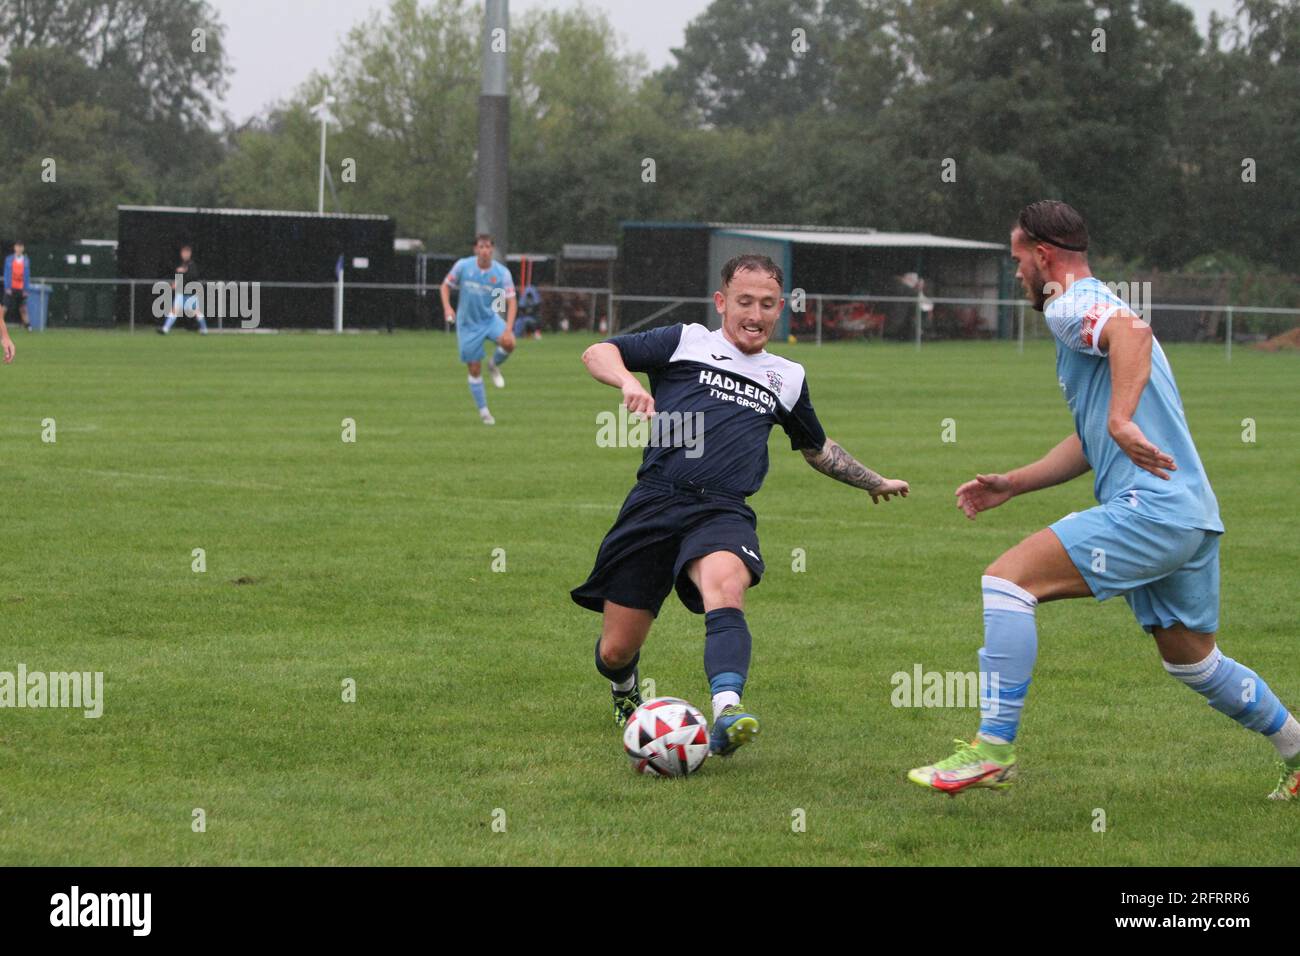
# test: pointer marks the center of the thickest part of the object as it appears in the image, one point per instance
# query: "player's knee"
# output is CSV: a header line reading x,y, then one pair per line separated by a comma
x,y
614,653
728,591
475,369
1008,568
1177,645
1000,569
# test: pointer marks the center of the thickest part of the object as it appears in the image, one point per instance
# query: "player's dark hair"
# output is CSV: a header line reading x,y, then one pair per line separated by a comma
x,y
484,236
752,262
1055,223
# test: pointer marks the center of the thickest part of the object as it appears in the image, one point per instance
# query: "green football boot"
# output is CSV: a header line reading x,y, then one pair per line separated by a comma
x,y
974,764
627,701
1288,784
732,730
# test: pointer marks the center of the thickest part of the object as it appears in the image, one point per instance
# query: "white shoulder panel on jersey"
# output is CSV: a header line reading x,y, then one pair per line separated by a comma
x,y
1078,315
780,376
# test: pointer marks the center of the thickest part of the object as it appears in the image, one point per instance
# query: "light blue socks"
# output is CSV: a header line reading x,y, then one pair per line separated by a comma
x,y
1007,657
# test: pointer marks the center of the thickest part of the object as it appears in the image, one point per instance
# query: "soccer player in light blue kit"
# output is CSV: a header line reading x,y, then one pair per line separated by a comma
x,y
1154,536
486,291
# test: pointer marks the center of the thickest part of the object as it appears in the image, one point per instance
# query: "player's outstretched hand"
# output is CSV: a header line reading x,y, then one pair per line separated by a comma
x,y
985,492
1142,453
8,346
887,489
451,317
638,400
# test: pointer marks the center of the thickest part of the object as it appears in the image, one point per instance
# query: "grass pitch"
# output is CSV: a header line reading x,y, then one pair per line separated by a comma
x,y
480,733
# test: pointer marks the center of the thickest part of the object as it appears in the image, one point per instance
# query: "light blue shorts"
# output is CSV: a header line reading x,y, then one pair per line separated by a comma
x,y
1169,575
471,339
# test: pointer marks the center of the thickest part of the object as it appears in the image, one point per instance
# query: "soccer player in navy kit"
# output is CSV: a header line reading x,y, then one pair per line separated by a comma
x,y
686,523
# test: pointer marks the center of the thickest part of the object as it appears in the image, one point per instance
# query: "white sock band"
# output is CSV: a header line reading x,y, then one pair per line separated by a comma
x,y
1199,672
1003,595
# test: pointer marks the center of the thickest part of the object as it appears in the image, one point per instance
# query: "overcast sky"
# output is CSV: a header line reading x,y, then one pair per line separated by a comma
x,y
274,44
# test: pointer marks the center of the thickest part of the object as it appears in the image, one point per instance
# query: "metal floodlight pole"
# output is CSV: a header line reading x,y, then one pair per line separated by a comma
x,y
491,212
323,110
320,202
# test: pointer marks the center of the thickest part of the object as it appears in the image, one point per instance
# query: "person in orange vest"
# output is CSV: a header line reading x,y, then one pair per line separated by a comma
x,y
18,280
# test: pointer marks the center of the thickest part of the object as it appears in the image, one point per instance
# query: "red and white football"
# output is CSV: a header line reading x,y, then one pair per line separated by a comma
x,y
667,737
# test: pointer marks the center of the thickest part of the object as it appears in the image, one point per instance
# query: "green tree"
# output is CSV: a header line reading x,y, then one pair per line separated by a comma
x,y
63,164
746,62
142,51
120,94
1246,127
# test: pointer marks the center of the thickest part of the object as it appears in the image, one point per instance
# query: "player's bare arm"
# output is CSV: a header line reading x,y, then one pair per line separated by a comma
x,y
507,340
6,343
1126,340
1063,463
605,363
447,310
837,463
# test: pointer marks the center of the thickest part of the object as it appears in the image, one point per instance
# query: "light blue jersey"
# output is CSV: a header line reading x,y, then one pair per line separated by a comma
x,y
1076,318
484,293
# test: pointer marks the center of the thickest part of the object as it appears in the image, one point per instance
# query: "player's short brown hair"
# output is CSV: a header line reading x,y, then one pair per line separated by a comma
x,y
1055,223
752,262
484,236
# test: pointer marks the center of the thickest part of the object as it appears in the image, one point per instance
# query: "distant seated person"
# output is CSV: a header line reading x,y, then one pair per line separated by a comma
x,y
18,279
529,320
185,273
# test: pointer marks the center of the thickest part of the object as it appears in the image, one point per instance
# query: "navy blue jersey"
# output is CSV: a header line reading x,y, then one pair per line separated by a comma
x,y
698,376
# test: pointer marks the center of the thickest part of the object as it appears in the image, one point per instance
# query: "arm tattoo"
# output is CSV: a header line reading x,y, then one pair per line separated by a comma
x,y
837,463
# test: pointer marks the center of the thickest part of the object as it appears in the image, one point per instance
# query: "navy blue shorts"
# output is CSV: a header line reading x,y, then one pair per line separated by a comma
x,y
660,530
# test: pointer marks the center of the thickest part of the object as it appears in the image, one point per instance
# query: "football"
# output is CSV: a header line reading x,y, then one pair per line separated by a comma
x,y
666,737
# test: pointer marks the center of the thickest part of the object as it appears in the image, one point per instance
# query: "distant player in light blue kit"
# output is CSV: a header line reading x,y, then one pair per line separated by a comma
x,y
1154,537
486,293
